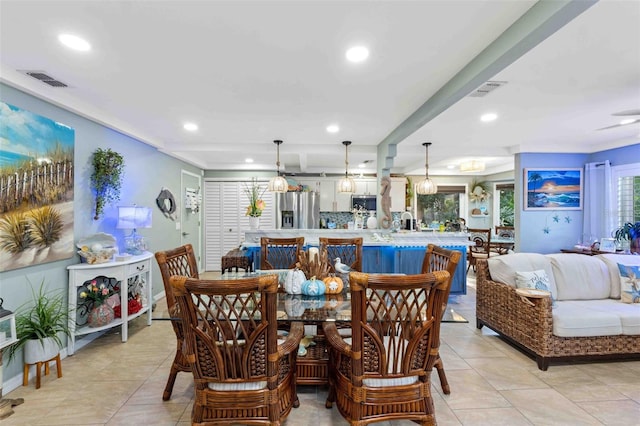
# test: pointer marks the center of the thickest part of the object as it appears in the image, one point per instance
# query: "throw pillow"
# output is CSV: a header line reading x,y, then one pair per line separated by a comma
x,y
535,279
629,283
538,280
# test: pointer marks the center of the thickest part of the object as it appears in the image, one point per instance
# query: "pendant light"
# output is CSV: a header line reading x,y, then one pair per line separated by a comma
x,y
346,184
426,186
278,183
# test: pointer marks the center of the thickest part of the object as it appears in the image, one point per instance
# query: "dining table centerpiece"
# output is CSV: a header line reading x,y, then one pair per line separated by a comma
x,y
254,193
101,313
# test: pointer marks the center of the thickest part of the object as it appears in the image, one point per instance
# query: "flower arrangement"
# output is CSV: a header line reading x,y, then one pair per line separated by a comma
x,y
254,194
98,293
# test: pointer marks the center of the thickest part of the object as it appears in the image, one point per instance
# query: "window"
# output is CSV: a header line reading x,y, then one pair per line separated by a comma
x,y
626,181
504,195
443,207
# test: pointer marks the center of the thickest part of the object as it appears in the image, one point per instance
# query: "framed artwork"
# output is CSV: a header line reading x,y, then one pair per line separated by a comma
x,y
608,245
553,189
36,195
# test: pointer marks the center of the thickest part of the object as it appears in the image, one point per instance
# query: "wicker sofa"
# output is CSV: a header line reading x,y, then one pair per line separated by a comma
x,y
585,320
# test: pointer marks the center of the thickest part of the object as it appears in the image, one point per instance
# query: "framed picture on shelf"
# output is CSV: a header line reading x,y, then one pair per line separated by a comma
x,y
608,245
553,189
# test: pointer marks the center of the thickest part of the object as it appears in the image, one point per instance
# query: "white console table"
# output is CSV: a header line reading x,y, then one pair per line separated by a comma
x,y
131,275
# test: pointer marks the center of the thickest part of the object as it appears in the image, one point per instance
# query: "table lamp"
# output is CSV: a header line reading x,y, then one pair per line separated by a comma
x,y
134,217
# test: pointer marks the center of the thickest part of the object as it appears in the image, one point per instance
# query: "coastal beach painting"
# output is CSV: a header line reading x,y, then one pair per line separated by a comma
x,y
553,189
36,189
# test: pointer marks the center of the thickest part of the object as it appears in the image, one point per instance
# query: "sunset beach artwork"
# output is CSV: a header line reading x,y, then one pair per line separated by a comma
x,y
553,189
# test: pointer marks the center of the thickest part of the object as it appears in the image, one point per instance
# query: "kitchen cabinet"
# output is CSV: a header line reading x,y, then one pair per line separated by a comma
x,y
377,259
366,186
330,199
129,278
398,194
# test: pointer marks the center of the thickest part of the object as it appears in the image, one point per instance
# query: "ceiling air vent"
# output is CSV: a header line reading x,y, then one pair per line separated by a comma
x,y
486,88
45,78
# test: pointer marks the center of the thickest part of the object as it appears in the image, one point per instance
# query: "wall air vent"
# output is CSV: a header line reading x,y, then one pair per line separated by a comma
x,y
45,78
486,88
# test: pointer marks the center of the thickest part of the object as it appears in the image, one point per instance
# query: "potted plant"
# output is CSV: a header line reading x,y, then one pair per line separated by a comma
x,y
39,325
106,179
629,232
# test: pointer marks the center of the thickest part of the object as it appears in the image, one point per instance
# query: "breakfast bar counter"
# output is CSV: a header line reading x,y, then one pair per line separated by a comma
x,y
382,252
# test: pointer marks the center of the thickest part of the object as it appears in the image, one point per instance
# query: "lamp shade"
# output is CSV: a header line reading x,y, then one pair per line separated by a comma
x,y
132,217
346,184
426,187
278,184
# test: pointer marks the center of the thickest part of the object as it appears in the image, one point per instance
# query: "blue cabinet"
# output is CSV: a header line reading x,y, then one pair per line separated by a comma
x,y
377,259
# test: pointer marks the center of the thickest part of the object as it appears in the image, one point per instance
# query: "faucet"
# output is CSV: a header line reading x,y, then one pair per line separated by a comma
x,y
407,216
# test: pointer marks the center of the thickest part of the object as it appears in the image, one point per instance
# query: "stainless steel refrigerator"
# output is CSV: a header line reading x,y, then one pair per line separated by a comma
x,y
298,210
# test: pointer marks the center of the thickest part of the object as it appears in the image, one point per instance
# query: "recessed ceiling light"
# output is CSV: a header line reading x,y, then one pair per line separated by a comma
x,y
451,166
488,117
362,165
333,128
627,121
74,42
357,54
192,127
248,160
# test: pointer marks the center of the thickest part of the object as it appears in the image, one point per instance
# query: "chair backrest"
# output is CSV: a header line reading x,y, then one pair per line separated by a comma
x,y
437,258
505,231
349,250
481,239
280,253
394,320
178,261
230,328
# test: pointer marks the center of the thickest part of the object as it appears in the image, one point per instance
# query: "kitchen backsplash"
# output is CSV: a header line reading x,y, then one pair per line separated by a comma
x,y
342,218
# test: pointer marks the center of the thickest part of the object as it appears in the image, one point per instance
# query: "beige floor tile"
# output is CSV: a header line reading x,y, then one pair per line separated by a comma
x,y
505,373
152,414
470,390
548,407
590,392
622,413
492,417
630,391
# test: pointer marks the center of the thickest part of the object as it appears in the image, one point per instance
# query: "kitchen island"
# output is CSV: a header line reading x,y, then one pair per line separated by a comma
x,y
382,252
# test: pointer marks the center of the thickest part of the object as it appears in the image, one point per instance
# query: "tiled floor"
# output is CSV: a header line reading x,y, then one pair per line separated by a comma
x,y
111,383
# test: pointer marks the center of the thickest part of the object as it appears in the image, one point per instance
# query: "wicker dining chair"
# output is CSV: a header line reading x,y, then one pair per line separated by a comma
x,y
177,261
280,253
480,247
243,373
349,250
383,371
437,258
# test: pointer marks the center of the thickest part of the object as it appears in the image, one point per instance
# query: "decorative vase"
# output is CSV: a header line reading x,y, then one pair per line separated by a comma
x,y
372,222
254,222
100,315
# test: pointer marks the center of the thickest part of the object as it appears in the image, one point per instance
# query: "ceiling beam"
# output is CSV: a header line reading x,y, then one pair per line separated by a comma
x,y
542,20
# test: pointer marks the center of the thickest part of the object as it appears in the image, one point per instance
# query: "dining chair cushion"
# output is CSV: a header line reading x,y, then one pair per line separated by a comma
x,y
244,386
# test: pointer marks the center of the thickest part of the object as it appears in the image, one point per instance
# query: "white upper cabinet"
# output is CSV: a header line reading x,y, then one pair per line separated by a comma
x,y
366,186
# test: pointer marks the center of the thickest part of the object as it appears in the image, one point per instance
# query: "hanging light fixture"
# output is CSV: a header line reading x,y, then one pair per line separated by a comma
x,y
346,184
278,183
426,186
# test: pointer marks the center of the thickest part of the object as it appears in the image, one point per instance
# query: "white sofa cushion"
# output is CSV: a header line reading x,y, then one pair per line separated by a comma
x,y
503,268
574,319
612,260
629,314
580,277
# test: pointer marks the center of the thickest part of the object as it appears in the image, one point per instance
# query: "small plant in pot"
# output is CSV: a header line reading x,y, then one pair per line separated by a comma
x,y
629,232
39,324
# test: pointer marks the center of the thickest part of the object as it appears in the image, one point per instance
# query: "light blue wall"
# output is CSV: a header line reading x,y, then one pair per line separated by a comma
x,y
567,230
146,171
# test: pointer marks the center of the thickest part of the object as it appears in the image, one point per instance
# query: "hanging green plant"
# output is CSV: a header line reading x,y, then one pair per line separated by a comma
x,y
106,179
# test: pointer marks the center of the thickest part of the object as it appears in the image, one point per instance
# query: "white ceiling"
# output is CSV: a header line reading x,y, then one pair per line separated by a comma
x,y
249,72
